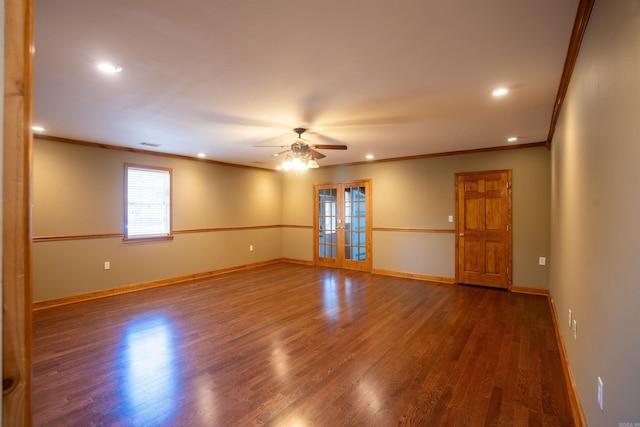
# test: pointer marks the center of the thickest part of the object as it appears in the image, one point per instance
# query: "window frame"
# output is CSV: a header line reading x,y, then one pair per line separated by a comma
x,y
146,237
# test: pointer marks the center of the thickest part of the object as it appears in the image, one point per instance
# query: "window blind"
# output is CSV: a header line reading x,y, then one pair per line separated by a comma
x,y
148,202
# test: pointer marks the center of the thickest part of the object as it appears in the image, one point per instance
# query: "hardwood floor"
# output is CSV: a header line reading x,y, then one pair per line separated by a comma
x,y
292,345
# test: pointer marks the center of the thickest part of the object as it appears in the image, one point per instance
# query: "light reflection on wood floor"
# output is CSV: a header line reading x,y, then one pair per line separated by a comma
x,y
294,345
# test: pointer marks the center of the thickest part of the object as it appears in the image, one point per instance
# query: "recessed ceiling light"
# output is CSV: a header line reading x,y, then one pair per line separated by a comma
x,y
201,155
501,91
369,156
37,128
108,67
512,139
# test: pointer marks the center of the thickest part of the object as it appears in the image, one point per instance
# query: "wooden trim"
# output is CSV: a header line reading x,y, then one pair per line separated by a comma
x,y
216,162
444,154
528,290
572,390
141,151
415,229
234,228
17,280
297,261
38,239
147,239
424,277
39,305
577,34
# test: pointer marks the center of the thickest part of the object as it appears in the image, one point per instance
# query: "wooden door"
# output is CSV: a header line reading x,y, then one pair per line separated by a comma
x,y
483,228
342,225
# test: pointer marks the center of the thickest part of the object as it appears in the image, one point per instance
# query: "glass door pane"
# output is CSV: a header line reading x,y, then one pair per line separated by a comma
x,y
355,223
327,220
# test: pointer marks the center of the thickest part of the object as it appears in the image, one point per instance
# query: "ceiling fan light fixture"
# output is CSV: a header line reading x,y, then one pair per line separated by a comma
x,y
500,91
108,67
286,165
298,163
302,155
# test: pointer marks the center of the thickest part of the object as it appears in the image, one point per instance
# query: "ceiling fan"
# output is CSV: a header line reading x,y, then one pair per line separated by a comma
x,y
302,154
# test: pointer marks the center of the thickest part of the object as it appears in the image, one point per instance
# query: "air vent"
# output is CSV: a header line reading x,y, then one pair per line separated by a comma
x,y
149,144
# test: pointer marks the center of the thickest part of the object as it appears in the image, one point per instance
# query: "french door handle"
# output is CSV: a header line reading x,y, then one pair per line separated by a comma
x,y
461,234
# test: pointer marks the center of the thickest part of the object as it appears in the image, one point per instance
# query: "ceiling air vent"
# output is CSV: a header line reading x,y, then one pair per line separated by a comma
x,y
149,144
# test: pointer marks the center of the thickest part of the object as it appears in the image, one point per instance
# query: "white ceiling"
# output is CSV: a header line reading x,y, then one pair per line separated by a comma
x,y
388,78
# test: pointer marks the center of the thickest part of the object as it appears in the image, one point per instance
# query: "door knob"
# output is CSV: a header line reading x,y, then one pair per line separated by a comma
x,y
461,234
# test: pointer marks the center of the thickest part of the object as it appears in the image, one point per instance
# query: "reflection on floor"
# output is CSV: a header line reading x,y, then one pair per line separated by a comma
x,y
287,344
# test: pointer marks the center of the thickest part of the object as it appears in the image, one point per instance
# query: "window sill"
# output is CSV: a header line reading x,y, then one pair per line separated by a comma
x,y
141,239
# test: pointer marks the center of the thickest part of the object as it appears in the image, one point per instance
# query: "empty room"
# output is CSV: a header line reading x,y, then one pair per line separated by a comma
x,y
321,213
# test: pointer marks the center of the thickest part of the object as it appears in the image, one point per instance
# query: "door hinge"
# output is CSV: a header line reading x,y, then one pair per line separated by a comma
x,y
508,227
508,185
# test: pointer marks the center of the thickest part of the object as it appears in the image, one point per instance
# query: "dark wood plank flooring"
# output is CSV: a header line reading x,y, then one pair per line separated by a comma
x,y
292,345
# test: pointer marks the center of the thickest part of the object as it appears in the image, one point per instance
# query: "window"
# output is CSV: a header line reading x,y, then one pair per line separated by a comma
x,y
147,202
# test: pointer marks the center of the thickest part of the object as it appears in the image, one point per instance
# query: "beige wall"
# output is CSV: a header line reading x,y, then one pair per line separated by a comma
x,y
420,194
595,208
78,191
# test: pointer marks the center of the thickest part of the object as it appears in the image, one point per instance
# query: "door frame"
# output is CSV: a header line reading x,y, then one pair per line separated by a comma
x,y
341,262
509,223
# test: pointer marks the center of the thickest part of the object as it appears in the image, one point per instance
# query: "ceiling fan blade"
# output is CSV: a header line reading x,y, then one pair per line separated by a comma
x,y
282,152
271,146
329,147
316,154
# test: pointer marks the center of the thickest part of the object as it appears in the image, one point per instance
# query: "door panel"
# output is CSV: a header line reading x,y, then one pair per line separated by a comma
x,y
483,245
326,229
342,225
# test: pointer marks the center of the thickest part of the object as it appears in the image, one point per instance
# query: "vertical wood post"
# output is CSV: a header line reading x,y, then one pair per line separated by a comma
x,y
16,213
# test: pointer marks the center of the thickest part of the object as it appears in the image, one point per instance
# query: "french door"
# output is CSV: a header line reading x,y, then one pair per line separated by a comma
x,y
483,245
342,225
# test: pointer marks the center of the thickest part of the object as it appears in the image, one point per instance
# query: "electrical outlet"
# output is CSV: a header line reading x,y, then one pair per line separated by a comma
x,y
107,265
450,218
575,330
570,319
542,260
250,248
600,397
